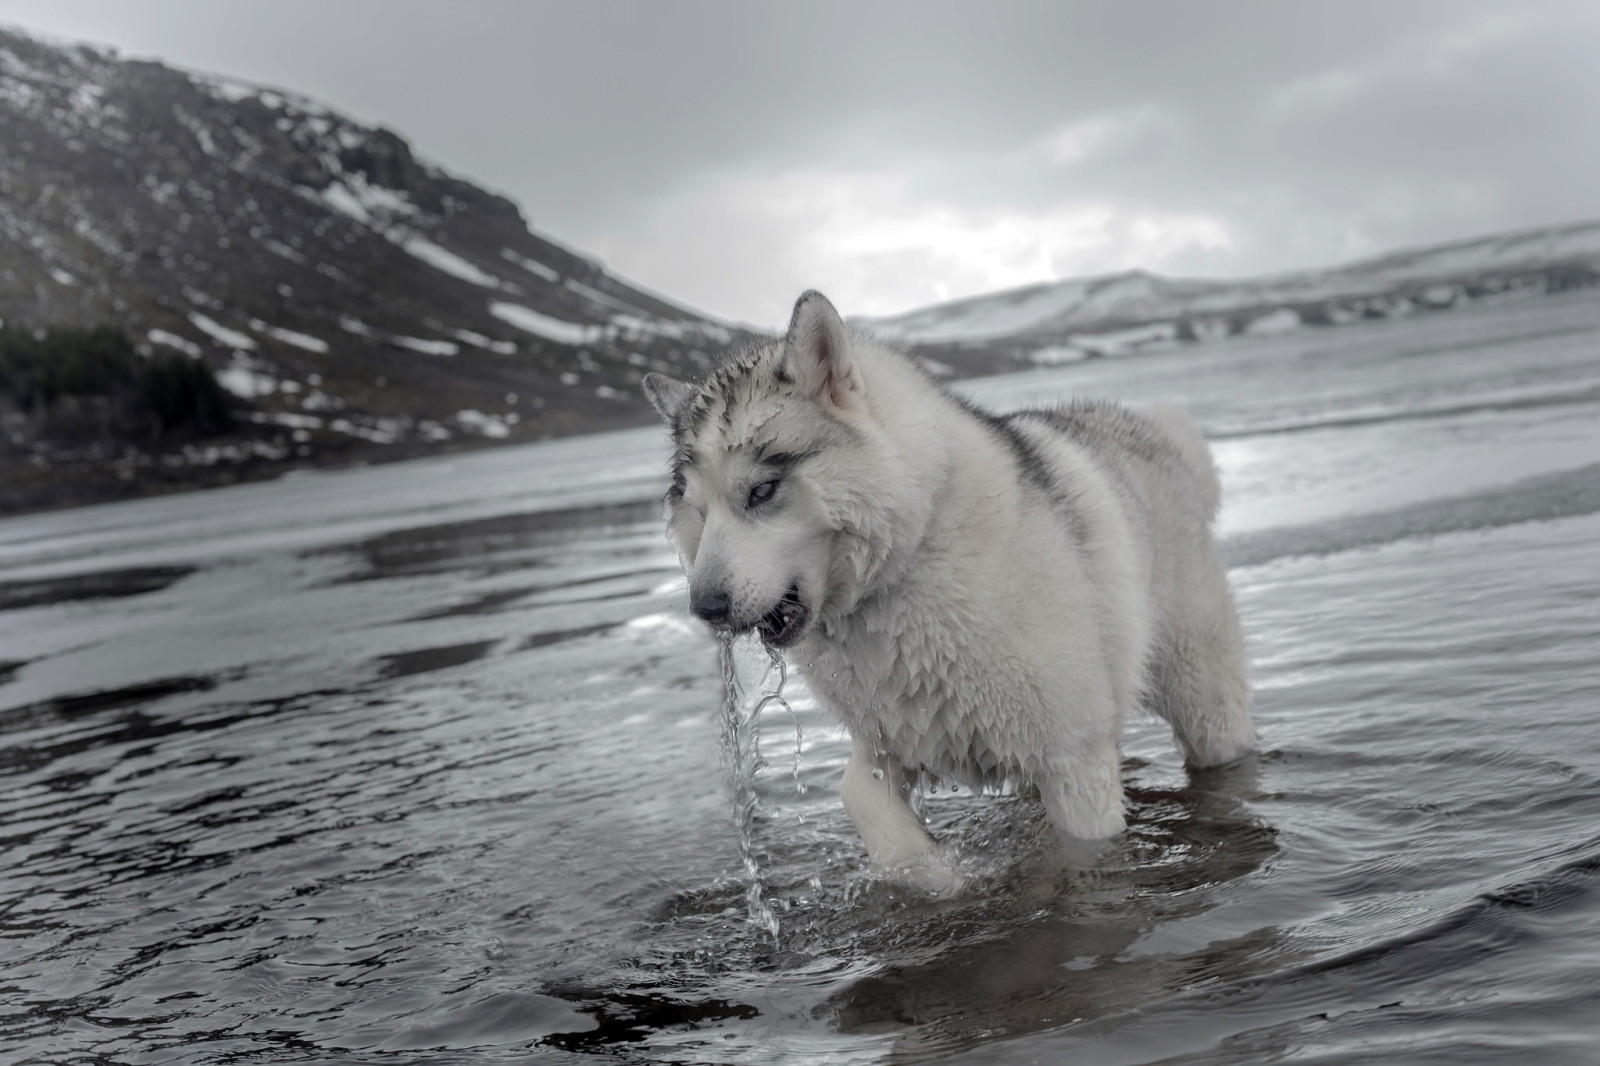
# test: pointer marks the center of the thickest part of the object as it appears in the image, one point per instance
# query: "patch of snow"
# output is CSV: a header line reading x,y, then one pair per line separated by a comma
x,y
369,204
569,378
231,91
1210,329
634,325
287,419
340,198
478,340
1057,355
62,277
1122,341
449,262
385,431
351,324
88,99
597,296
606,392
427,347
532,266
222,334
289,336
484,425
298,339
172,340
542,325
246,383
1283,320
279,248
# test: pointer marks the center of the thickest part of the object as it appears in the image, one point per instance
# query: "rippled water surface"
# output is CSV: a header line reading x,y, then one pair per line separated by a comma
x,y
420,764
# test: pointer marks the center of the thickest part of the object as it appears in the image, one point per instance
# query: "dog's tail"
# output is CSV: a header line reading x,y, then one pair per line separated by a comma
x,y
1175,423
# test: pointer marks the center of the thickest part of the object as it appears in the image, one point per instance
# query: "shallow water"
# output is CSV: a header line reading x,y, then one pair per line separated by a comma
x,y
419,764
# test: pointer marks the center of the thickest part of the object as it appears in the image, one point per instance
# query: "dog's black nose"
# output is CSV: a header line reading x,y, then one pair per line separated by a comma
x,y
712,606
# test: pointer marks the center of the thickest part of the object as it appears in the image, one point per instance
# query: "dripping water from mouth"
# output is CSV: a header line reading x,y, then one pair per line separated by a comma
x,y
741,762
781,666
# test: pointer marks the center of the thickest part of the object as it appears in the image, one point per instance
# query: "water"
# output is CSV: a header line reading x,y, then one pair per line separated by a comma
x,y
420,764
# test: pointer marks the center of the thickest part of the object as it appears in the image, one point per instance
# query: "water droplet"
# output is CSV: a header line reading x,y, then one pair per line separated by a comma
x,y
877,773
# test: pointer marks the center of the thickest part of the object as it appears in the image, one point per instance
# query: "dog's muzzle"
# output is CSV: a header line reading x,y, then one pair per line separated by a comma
x,y
783,625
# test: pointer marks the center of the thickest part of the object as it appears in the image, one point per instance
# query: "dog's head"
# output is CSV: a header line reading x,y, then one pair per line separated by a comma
x,y
760,496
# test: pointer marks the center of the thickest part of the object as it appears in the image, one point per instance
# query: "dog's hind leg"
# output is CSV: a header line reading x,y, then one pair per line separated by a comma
x,y
1199,682
1082,792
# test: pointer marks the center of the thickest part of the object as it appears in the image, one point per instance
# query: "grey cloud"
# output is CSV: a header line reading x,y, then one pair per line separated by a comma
x,y
619,126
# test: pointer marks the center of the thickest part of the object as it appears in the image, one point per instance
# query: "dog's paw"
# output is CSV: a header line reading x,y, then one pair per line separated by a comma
x,y
934,873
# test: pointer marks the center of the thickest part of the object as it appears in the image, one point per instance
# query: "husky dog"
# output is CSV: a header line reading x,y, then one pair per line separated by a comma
x,y
978,597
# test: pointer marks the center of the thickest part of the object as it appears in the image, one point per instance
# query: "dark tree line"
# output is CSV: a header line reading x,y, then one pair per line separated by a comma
x,y
162,395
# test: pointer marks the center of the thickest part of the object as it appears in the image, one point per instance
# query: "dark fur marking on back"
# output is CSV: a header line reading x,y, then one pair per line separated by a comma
x,y
1092,423
1031,464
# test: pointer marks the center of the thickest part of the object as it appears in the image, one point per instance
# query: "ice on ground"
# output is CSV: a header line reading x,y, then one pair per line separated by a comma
x,y
172,340
228,338
542,325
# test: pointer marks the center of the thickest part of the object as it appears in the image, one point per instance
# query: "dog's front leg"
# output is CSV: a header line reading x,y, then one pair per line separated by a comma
x,y
876,797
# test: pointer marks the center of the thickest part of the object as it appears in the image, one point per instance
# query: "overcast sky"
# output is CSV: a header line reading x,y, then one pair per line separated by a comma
x,y
896,154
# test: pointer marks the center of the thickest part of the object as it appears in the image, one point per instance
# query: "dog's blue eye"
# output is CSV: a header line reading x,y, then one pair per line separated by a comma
x,y
763,492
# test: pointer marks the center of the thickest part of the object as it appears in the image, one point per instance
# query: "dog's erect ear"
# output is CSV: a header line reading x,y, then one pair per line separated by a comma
x,y
819,354
668,395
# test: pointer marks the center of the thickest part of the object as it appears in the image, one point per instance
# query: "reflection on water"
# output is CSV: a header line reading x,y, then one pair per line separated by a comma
x,y
420,765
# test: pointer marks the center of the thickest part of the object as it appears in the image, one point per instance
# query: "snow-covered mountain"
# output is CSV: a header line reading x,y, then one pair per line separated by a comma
x,y
1118,313
349,291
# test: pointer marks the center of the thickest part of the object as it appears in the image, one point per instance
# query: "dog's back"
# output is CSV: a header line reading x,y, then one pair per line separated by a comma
x,y
1162,471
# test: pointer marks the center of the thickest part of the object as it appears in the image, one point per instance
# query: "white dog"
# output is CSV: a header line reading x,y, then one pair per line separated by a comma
x,y
982,598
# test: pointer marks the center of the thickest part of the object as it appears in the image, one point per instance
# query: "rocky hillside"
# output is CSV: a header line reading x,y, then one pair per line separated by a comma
x,y
1124,313
344,290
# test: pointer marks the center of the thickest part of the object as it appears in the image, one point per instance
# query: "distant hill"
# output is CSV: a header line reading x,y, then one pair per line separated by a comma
x,y
1119,314
342,286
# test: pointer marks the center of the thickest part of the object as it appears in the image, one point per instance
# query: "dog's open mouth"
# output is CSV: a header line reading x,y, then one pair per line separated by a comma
x,y
782,625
